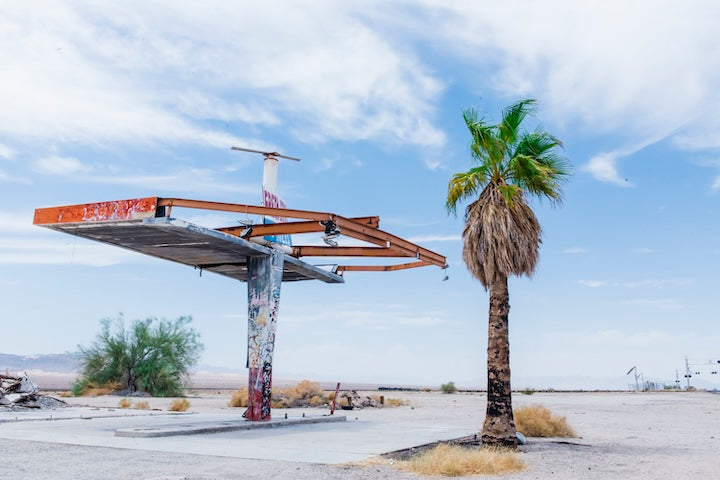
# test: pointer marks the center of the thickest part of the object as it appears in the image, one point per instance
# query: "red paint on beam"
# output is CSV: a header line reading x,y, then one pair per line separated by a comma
x,y
133,209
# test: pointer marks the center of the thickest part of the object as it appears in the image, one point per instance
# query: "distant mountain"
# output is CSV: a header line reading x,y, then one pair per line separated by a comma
x,y
53,362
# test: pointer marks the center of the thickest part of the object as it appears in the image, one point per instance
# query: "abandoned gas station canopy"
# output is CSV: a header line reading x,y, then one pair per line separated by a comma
x,y
145,225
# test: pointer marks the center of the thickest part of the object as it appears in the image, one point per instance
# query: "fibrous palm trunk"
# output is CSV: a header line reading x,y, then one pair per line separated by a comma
x,y
499,428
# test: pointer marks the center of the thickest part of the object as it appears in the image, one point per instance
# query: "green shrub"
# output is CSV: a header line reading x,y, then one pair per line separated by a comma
x,y
448,387
152,355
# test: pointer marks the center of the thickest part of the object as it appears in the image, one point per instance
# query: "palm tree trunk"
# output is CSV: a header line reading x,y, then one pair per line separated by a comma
x,y
499,428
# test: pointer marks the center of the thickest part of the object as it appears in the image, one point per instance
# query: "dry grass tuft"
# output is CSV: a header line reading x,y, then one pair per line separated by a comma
x,y
98,390
239,398
65,394
538,421
179,405
304,394
124,403
455,461
142,405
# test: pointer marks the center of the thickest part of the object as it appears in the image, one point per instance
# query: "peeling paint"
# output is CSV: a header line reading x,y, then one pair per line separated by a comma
x,y
134,209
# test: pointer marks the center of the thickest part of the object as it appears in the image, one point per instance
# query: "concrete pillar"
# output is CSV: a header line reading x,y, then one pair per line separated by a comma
x,y
264,280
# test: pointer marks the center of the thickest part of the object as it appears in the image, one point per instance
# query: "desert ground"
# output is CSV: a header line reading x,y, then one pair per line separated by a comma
x,y
622,435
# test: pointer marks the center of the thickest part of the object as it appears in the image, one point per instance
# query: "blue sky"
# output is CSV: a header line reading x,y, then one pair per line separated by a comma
x,y
104,102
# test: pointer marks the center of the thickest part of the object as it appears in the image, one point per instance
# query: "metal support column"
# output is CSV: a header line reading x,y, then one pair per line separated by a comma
x,y
264,280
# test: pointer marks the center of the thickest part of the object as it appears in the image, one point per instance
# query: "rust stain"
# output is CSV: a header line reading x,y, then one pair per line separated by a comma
x,y
133,209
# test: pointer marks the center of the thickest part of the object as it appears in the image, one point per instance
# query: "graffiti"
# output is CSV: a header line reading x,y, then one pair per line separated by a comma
x,y
272,200
138,208
264,280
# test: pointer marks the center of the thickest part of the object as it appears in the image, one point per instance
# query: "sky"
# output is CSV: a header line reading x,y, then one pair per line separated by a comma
x,y
105,101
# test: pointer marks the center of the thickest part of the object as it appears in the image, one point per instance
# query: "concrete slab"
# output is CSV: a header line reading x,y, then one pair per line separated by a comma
x,y
197,428
366,433
75,413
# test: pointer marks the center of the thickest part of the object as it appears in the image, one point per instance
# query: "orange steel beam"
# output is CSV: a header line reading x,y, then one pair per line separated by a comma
x,y
240,208
393,241
312,251
389,240
380,268
285,228
133,209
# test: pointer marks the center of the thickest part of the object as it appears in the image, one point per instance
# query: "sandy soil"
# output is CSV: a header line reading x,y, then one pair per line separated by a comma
x,y
623,435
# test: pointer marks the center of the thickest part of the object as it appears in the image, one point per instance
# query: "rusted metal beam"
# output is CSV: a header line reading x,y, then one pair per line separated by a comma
x,y
346,225
134,209
313,251
380,268
249,209
392,241
343,223
287,228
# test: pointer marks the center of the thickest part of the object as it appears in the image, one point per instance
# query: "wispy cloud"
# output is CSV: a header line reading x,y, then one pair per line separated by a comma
x,y
6,152
643,250
97,73
603,167
383,317
575,250
661,303
635,284
34,251
435,238
56,165
197,180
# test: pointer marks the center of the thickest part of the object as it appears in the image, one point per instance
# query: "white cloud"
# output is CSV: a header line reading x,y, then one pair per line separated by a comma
x,y
6,152
575,250
662,303
32,251
97,72
643,250
624,339
603,167
716,184
57,165
635,284
647,70
17,222
435,238
192,180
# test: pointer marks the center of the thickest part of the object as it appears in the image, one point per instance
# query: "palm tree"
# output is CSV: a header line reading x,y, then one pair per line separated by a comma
x,y
502,236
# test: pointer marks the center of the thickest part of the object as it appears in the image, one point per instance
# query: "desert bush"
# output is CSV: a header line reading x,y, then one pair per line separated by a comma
x,y
538,421
142,405
84,387
395,402
152,355
455,461
179,405
239,398
304,394
124,403
528,391
448,387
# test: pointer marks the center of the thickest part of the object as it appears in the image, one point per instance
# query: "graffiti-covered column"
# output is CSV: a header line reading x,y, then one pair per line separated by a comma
x,y
264,279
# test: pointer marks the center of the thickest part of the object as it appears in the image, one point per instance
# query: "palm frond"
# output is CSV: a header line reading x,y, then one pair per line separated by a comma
x,y
464,185
512,118
484,144
537,168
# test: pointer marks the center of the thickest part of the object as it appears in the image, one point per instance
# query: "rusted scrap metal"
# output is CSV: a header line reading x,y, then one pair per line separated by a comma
x,y
21,392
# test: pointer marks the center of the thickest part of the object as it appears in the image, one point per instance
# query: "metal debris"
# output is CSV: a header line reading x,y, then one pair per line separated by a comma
x,y
19,392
